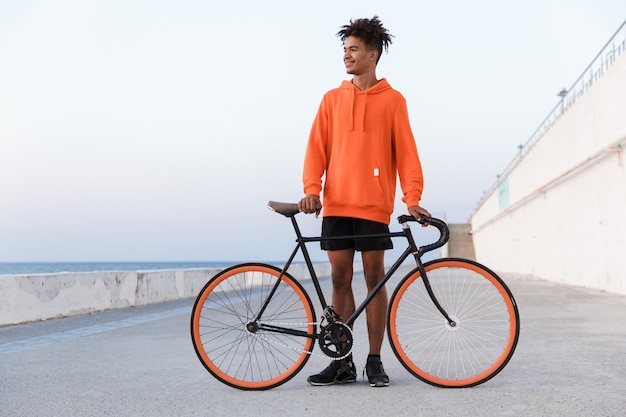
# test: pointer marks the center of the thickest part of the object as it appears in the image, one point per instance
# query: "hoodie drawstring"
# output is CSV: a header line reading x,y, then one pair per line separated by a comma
x,y
381,86
352,111
363,115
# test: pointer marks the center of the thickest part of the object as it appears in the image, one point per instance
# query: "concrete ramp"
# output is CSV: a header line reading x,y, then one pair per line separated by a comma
x,y
557,210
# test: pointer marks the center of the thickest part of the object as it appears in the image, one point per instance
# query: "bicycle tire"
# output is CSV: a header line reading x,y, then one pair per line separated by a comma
x,y
232,354
486,331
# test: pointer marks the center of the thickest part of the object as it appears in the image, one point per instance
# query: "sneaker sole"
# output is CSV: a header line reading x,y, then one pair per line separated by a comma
x,y
379,384
324,384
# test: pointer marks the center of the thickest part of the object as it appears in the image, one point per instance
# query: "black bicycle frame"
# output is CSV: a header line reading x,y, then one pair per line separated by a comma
x,y
411,249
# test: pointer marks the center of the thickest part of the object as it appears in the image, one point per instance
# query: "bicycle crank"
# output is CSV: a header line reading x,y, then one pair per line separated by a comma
x,y
336,340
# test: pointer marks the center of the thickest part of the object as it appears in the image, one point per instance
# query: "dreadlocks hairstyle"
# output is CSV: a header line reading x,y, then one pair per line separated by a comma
x,y
370,31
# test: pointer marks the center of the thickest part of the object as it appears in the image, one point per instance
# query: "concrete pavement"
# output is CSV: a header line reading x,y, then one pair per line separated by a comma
x,y
140,362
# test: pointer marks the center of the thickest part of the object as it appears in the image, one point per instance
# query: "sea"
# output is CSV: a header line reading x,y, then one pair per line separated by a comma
x,y
21,268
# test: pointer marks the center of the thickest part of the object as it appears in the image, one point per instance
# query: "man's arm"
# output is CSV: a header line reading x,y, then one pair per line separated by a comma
x,y
407,159
315,164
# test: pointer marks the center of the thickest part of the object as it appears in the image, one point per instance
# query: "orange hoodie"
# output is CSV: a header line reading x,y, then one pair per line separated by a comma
x,y
360,141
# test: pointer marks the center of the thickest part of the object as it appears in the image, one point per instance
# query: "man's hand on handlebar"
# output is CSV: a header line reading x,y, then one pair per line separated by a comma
x,y
310,204
418,212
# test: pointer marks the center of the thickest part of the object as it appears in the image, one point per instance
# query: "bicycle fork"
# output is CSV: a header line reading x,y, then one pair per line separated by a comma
x,y
431,294
417,254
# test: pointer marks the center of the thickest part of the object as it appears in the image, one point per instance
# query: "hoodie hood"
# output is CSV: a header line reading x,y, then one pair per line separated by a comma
x,y
358,100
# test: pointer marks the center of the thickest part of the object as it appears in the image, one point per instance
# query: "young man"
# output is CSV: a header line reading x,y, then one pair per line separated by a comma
x,y
361,140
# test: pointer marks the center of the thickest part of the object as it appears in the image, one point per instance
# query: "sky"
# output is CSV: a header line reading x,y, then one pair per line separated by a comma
x,y
157,130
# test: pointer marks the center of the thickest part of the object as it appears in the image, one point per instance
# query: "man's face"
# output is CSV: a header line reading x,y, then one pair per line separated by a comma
x,y
357,59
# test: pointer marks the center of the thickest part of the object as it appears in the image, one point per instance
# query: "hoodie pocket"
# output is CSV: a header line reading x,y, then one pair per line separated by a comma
x,y
355,183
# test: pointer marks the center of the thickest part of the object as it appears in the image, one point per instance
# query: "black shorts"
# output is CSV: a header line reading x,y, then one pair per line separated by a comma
x,y
349,226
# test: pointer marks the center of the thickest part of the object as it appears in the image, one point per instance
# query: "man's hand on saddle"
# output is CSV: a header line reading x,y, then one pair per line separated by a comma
x,y
310,204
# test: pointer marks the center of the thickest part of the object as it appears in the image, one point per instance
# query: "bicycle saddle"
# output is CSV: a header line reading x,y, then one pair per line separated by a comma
x,y
286,209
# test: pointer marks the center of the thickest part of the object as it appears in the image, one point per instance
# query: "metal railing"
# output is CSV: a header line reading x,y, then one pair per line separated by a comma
x,y
596,69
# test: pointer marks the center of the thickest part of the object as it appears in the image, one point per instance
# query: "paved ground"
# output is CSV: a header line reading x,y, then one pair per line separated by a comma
x,y
570,361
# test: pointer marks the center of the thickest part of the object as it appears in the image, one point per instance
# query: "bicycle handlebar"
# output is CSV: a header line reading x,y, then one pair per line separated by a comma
x,y
444,232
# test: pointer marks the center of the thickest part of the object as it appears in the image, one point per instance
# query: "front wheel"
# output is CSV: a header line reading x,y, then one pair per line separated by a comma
x,y
241,351
469,353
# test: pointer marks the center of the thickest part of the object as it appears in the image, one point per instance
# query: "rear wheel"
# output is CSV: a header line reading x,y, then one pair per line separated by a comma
x,y
486,331
234,348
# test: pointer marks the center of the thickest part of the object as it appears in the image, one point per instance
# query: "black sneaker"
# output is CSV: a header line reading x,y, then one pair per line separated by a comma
x,y
338,372
375,373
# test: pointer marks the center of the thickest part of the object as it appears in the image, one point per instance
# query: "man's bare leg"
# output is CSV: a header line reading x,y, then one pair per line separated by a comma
x,y
343,371
342,268
376,311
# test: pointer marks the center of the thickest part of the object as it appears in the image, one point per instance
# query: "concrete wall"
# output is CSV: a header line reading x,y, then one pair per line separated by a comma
x,y
560,213
27,298
460,243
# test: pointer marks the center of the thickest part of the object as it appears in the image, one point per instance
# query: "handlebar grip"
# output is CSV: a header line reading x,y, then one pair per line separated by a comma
x,y
444,232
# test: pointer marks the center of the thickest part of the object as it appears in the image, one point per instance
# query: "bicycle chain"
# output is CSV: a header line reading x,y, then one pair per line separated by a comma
x,y
295,349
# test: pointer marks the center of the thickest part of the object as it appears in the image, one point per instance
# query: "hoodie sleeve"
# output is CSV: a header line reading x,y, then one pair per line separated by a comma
x,y
407,158
315,159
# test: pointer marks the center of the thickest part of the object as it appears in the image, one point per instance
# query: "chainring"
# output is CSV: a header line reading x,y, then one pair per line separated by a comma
x,y
336,340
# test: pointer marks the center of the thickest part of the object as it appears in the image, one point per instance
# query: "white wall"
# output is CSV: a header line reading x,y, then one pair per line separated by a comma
x,y
26,298
565,219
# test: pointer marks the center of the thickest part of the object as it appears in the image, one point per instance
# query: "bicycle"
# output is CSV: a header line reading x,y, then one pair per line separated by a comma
x,y
451,322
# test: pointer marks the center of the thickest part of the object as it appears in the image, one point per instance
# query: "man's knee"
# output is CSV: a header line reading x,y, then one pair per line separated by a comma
x,y
372,279
342,278
373,267
341,263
